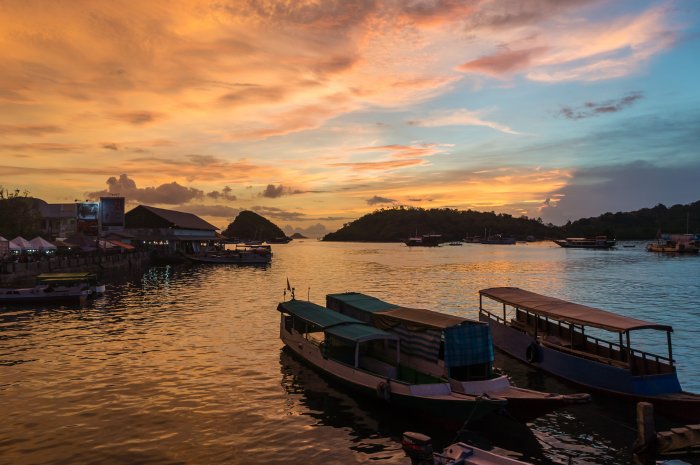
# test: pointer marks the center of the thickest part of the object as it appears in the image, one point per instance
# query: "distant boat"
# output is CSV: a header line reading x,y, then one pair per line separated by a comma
x,y
598,242
455,243
366,359
426,240
280,240
548,334
453,348
498,239
676,244
260,254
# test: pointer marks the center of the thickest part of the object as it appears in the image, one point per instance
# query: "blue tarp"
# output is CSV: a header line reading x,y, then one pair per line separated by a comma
x,y
468,344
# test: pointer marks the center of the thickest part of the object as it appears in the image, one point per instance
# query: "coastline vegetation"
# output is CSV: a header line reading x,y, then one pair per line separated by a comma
x,y
398,223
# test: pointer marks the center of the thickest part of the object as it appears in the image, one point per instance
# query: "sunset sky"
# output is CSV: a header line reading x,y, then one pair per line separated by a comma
x,y
313,113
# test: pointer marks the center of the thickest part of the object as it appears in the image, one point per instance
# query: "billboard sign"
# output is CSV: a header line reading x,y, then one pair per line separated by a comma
x,y
87,217
112,213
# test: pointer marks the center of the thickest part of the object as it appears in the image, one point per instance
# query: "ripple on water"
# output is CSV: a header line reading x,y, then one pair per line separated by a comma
x,y
184,365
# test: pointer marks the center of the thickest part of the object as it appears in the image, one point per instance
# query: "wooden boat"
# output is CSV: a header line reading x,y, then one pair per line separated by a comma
x,y
419,448
85,279
47,294
598,242
549,334
498,239
452,348
366,359
426,240
242,254
675,244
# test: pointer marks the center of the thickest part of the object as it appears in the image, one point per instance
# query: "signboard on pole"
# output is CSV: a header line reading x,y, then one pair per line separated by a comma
x,y
87,218
112,213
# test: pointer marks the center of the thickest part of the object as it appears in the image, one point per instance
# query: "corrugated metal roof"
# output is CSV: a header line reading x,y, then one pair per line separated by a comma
x,y
361,301
359,332
334,323
309,311
567,311
180,220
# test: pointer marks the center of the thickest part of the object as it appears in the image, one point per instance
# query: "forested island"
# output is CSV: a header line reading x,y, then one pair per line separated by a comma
x,y
397,223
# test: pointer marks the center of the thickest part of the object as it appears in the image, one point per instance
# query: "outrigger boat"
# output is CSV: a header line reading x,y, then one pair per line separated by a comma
x,y
549,334
452,348
367,359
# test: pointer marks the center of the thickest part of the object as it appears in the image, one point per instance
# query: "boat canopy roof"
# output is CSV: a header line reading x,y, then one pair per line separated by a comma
x,y
361,301
334,323
59,277
424,318
567,311
386,311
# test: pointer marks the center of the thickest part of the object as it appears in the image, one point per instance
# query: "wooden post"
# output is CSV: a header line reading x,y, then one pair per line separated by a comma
x,y
670,348
357,354
629,348
646,435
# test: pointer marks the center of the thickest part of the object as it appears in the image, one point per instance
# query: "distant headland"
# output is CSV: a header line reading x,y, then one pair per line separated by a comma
x,y
397,223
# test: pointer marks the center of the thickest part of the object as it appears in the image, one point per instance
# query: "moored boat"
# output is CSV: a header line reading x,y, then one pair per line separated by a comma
x,y
242,254
498,239
419,448
549,334
366,359
85,279
597,242
452,348
426,240
47,294
675,244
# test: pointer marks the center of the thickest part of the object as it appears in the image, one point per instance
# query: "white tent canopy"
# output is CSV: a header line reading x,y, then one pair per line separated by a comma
x,y
2,239
40,243
20,243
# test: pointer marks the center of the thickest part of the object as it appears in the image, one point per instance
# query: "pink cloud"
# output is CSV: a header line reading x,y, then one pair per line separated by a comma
x,y
503,62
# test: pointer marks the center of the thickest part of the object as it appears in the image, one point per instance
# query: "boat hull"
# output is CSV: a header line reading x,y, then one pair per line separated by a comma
x,y
449,410
244,258
664,390
40,295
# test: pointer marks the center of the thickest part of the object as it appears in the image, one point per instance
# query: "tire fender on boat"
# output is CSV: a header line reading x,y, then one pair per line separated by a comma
x,y
384,390
533,353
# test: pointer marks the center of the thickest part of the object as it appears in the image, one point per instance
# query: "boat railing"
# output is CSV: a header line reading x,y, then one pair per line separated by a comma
x,y
598,349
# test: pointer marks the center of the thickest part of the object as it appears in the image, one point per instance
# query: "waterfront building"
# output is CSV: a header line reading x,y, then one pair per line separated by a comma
x,y
168,230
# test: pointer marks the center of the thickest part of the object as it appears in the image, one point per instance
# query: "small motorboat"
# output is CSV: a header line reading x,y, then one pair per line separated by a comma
x,y
419,448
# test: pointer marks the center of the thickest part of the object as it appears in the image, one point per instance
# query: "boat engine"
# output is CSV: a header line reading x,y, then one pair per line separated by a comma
x,y
418,447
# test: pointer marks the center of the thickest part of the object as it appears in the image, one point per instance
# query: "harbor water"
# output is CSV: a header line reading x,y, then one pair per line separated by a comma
x,y
184,365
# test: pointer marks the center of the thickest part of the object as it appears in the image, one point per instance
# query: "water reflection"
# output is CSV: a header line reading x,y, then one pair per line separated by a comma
x,y
184,364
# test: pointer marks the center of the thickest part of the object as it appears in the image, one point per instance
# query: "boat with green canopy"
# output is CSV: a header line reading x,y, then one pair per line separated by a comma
x,y
450,347
85,279
368,360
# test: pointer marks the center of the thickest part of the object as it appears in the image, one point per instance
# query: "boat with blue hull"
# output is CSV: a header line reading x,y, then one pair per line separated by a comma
x,y
453,348
366,359
550,334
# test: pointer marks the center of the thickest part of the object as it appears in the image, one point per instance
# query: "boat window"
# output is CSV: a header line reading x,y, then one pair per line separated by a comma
x,y
288,323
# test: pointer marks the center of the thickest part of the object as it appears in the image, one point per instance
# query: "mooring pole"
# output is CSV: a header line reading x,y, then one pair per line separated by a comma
x,y
646,435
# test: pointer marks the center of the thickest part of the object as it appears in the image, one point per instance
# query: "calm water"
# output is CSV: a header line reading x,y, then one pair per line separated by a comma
x,y
184,365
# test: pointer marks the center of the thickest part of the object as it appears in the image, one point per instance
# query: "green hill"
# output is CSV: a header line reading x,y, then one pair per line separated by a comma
x,y
398,223
249,225
639,224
